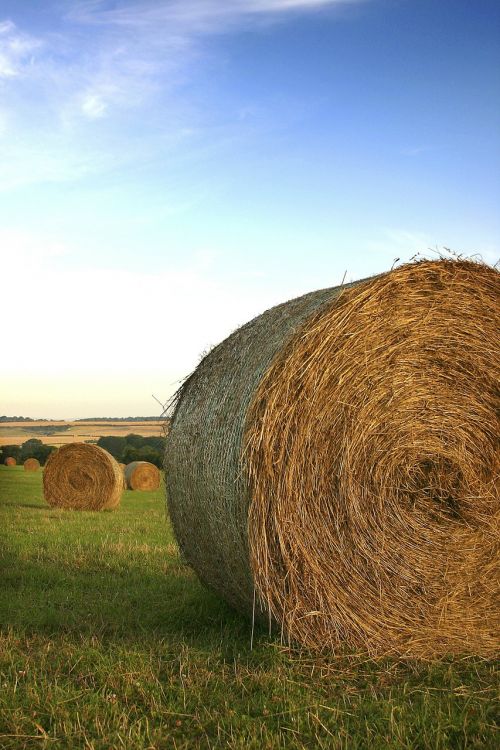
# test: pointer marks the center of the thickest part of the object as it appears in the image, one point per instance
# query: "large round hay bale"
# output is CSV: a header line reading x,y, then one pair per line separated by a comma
x,y
31,464
80,476
10,461
331,465
141,475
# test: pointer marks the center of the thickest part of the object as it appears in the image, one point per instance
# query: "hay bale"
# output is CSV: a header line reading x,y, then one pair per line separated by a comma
x,y
10,461
31,464
123,467
80,476
141,475
332,464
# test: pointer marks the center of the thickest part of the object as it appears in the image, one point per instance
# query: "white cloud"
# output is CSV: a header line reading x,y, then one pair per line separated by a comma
x,y
192,16
147,46
94,105
107,64
16,50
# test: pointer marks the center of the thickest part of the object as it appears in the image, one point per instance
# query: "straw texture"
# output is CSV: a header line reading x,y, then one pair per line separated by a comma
x,y
82,477
141,475
10,461
31,464
339,456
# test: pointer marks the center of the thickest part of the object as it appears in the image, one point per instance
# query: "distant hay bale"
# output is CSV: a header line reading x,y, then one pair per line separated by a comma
x,y
10,461
331,465
31,464
80,476
141,475
123,467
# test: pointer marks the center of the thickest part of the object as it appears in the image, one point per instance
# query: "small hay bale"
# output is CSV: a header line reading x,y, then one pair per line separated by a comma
x,y
141,475
31,464
331,465
10,461
123,467
80,476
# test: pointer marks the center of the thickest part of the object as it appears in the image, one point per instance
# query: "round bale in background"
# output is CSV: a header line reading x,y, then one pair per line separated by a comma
x,y
141,475
10,461
331,465
123,467
31,464
80,476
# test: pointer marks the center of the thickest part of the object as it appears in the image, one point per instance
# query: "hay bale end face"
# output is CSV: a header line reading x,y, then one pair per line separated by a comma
x,y
10,461
80,476
335,459
31,464
141,475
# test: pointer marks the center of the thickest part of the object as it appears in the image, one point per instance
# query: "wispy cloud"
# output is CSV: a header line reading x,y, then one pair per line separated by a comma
x,y
16,50
111,70
105,57
150,45
195,16
416,150
402,244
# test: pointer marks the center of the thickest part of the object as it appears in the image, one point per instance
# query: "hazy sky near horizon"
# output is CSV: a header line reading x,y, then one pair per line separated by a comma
x,y
171,168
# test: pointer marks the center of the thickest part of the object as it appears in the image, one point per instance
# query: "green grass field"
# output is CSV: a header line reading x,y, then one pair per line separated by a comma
x,y
107,640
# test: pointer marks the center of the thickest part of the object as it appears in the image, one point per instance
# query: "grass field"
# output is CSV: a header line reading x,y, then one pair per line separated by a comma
x,y
107,640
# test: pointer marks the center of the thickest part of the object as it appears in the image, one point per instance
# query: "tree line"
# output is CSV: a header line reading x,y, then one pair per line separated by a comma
x,y
32,448
134,448
124,449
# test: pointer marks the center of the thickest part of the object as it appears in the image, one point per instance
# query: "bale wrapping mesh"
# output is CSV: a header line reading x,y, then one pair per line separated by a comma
x,y
334,463
142,475
82,477
31,464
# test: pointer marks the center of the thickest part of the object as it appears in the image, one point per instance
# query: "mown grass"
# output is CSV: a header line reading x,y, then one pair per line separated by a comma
x,y
107,640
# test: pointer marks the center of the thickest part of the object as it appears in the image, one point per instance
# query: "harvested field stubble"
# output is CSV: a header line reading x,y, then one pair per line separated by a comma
x,y
31,464
141,475
337,456
82,477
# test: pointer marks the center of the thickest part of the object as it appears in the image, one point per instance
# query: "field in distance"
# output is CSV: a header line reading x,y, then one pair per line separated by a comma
x,y
59,433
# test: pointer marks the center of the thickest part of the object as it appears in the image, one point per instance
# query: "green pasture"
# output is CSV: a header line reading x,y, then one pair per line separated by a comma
x,y
108,640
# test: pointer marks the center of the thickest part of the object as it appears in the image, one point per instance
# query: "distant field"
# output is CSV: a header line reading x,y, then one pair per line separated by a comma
x,y
59,433
108,640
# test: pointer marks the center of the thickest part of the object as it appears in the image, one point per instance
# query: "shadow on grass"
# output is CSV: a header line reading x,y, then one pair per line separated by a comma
x,y
117,600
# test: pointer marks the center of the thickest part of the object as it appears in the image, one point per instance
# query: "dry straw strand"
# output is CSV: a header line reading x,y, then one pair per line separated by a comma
x,y
31,464
82,477
339,455
142,475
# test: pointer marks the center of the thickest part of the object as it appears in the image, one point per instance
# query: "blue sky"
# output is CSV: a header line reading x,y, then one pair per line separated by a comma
x,y
170,168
